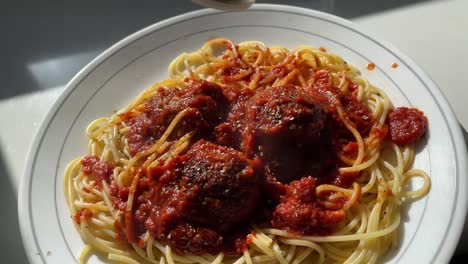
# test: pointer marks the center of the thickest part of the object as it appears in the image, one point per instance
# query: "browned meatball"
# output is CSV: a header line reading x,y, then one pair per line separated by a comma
x,y
229,133
206,103
283,125
284,113
211,189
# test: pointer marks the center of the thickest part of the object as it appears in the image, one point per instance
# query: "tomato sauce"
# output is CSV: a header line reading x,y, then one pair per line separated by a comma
x,y
120,195
206,103
207,193
256,157
406,125
119,230
100,169
351,149
299,212
82,215
250,238
283,140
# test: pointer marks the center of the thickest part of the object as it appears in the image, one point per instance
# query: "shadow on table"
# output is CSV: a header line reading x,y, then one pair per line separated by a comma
x,y
43,39
10,242
462,243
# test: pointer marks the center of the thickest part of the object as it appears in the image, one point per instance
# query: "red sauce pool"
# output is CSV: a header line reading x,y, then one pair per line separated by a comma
x,y
406,125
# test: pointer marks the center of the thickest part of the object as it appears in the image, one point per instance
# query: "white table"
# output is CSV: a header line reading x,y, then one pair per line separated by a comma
x,y
434,34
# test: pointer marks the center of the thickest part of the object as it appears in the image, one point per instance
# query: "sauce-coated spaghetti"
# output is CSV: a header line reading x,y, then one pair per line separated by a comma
x,y
248,154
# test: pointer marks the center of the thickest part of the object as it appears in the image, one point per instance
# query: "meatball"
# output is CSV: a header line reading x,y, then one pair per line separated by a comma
x,y
229,132
206,104
285,112
210,190
283,125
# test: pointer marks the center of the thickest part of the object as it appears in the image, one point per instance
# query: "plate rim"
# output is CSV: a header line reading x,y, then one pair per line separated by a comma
x,y
452,235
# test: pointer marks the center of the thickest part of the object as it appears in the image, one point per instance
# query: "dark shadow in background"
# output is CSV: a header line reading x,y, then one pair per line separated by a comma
x,y
41,30
10,239
463,258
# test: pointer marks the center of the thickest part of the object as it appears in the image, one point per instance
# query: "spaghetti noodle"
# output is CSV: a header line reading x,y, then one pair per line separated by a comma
x,y
248,154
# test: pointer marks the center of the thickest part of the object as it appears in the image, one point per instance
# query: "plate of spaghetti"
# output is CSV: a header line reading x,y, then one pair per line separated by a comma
x,y
271,135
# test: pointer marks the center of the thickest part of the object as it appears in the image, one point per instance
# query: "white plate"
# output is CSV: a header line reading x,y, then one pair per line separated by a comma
x,y
431,226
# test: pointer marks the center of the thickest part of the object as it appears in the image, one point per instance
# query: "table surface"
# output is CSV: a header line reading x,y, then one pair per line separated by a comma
x,y
419,30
